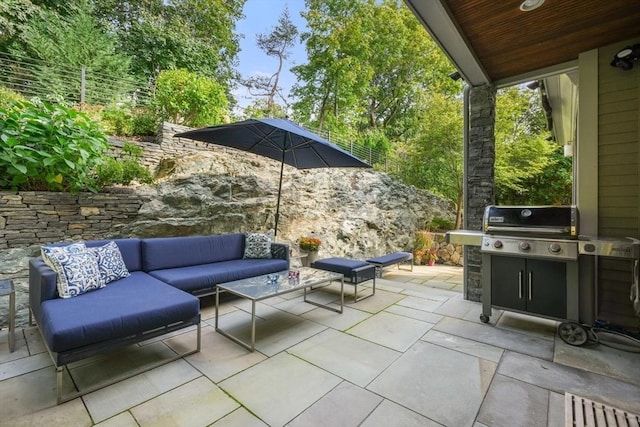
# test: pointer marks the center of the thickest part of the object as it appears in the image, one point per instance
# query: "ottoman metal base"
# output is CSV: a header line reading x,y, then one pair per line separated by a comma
x,y
354,271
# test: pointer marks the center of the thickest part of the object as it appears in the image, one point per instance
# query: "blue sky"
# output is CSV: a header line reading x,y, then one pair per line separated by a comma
x,y
260,17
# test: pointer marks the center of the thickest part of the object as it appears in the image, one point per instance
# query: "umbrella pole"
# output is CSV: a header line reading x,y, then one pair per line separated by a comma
x,y
275,232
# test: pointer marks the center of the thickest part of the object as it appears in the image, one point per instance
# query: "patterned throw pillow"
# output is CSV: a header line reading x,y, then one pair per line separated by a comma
x,y
48,251
79,273
257,245
110,262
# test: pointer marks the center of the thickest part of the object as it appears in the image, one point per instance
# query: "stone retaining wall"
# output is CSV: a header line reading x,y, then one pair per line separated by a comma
x,y
36,217
448,253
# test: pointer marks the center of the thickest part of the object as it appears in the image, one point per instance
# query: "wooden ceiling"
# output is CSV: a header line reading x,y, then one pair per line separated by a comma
x,y
508,42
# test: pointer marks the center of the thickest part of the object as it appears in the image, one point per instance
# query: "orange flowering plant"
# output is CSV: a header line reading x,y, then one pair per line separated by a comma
x,y
310,243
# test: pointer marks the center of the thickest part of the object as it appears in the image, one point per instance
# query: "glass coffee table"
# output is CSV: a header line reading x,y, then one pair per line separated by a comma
x,y
270,285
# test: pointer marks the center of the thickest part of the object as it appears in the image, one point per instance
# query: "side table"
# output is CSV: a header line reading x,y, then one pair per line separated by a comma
x,y
7,289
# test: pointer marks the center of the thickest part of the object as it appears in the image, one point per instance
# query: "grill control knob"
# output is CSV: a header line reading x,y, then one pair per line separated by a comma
x,y
555,248
524,246
497,244
590,247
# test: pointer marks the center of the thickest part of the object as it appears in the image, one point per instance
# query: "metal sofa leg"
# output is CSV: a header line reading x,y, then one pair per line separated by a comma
x,y
59,371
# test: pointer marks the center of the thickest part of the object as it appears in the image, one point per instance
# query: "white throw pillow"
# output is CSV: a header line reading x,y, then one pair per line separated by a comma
x,y
79,273
257,245
47,251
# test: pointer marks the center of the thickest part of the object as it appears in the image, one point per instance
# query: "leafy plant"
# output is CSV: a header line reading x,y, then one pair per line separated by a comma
x,y
118,121
48,147
423,247
441,224
190,99
125,170
7,97
144,122
123,121
310,243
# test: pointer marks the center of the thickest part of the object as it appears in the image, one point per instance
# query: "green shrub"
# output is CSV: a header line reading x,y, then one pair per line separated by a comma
x,y
189,99
125,170
441,224
7,97
423,243
118,121
48,147
145,122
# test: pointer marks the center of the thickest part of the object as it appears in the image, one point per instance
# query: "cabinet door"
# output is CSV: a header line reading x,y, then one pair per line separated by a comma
x,y
508,282
547,288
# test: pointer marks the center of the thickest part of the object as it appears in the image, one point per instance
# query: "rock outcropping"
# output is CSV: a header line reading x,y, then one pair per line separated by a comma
x,y
355,212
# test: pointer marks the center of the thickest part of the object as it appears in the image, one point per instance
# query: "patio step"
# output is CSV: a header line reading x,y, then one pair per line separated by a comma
x,y
582,412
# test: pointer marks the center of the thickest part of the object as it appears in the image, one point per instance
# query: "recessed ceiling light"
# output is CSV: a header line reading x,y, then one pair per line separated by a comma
x,y
529,5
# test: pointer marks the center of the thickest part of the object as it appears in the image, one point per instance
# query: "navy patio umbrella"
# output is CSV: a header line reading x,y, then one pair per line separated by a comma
x,y
281,140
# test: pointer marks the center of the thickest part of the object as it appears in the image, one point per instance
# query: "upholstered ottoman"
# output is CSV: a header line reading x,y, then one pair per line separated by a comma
x,y
387,260
354,271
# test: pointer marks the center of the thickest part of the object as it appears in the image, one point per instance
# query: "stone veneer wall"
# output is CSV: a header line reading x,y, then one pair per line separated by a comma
x,y
36,217
448,253
480,185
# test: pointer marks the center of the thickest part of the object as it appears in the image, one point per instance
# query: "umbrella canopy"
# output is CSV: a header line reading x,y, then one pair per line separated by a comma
x,y
281,140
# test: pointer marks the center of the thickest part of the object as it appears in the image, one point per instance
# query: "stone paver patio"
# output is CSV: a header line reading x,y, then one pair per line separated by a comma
x,y
416,354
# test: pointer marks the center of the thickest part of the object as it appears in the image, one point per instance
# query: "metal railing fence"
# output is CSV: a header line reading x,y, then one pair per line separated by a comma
x,y
58,82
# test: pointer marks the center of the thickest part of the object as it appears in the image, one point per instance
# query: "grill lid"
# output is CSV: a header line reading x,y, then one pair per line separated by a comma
x,y
557,221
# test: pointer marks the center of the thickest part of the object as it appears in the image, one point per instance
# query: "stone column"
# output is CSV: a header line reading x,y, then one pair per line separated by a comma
x,y
480,183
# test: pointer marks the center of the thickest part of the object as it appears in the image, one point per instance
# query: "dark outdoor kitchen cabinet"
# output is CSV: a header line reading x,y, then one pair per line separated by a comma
x,y
529,285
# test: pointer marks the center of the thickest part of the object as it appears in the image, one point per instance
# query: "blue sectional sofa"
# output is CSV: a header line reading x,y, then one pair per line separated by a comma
x,y
166,275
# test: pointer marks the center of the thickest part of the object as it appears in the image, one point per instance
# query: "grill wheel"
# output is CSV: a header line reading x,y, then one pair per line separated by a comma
x,y
572,333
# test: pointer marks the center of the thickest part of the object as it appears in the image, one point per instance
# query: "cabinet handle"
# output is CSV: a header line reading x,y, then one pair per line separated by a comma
x,y
530,283
520,284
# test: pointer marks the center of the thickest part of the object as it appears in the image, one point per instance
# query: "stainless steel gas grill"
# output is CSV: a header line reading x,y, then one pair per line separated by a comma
x,y
530,261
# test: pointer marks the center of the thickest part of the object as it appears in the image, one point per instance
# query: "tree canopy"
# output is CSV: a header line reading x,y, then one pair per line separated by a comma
x,y
368,63
197,35
63,44
372,76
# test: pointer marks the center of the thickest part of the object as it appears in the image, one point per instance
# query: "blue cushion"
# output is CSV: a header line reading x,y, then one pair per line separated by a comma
x,y
170,252
393,258
127,306
199,277
129,249
338,265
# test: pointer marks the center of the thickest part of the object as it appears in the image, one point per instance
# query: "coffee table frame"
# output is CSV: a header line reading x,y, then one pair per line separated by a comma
x,y
259,288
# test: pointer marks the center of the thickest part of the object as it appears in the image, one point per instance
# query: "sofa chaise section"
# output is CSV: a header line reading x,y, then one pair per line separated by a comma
x,y
125,308
126,311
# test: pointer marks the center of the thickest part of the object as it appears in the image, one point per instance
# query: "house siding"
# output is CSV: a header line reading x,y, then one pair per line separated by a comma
x,y
618,181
